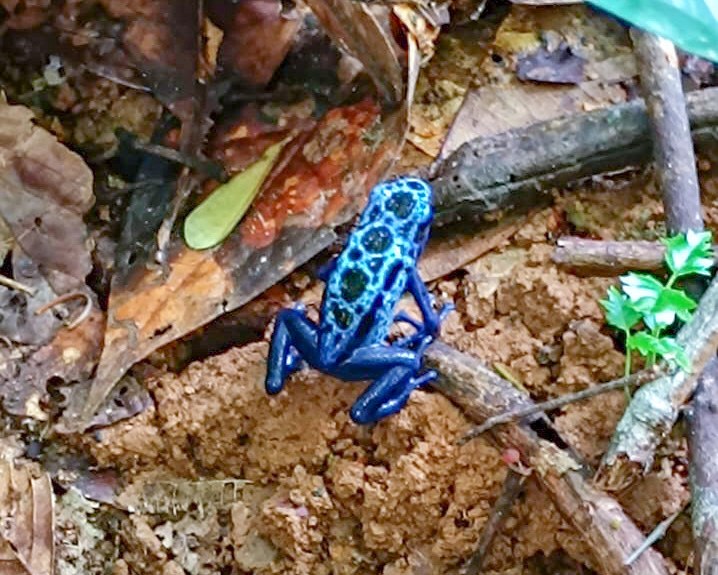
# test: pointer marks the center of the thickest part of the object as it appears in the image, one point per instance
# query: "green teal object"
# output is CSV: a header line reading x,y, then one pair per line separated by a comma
x,y
692,25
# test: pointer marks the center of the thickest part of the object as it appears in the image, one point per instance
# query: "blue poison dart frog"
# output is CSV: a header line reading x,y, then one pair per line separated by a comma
x,y
363,285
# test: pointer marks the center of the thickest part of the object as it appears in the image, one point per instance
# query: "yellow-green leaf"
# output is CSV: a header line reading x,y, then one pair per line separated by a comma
x,y
214,219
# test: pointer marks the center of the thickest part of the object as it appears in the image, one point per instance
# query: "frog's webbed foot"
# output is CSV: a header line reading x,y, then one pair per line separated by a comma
x,y
294,338
388,394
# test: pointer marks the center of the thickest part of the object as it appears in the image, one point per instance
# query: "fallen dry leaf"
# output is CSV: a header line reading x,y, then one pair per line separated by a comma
x,y
45,191
354,27
69,357
258,34
27,520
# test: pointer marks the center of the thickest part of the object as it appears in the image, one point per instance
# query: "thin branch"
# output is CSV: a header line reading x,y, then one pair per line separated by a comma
x,y
16,285
609,258
673,155
638,378
658,532
703,421
513,485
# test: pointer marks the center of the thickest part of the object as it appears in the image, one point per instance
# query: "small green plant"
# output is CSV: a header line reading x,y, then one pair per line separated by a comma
x,y
645,307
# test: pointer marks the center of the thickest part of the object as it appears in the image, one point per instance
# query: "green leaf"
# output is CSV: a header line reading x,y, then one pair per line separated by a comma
x,y
215,218
643,342
642,290
669,304
665,347
690,24
689,253
619,310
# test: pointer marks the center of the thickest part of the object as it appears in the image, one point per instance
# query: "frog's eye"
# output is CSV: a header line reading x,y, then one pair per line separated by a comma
x,y
342,316
377,240
401,204
354,281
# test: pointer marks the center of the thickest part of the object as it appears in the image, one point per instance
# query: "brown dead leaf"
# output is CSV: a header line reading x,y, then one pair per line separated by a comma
x,y
355,27
258,34
507,103
27,520
70,357
45,189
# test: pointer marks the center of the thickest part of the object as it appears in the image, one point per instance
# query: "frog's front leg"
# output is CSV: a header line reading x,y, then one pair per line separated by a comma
x,y
432,319
388,394
292,330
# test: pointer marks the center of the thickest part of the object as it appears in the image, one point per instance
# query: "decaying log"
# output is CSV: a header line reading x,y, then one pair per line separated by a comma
x,y
608,532
703,419
489,176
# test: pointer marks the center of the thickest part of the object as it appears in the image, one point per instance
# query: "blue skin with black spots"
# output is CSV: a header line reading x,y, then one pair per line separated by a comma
x,y
363,285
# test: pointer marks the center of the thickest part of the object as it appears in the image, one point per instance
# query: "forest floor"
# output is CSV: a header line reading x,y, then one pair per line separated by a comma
x,y
211,475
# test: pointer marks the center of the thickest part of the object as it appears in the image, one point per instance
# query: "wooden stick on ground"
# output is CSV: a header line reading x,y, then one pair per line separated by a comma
x,y
609,258
673,155
703,419
608,532
493,176
512,487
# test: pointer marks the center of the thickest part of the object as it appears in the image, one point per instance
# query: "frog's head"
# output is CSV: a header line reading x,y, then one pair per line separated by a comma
x,y
407,203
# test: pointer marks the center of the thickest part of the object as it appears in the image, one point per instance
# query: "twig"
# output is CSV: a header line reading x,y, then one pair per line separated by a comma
x,y
491,176
608,532
12,284
513,485
638,378
658,532
86,310
673,154
703,421
609,258
207,167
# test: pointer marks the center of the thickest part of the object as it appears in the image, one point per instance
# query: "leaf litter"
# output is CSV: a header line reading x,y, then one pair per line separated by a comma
x,y
327,497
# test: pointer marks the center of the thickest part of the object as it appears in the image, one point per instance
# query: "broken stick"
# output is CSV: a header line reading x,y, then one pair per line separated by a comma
x,y
673,156
491,176
703,420
609,258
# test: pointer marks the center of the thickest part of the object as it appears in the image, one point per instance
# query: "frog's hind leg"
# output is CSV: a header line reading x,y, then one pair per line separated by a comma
x,y
388,394
294,338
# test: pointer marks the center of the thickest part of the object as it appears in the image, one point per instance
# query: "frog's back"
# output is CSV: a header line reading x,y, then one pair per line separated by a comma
x,y
371,272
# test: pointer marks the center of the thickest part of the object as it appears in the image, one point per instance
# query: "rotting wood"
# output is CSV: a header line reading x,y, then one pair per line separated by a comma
x,y
514,170
703,437
655,406
608,532
673,154
609,258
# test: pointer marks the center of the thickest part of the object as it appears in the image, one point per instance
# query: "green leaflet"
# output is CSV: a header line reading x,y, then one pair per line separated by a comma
x,y
214,219
690,24
644,298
